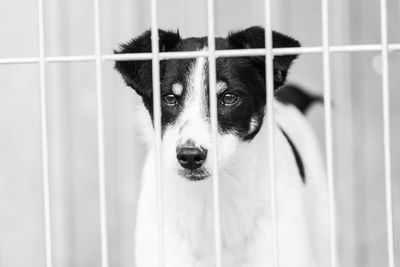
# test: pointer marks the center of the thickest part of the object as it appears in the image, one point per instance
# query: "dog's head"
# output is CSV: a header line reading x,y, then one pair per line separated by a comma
x,y
184,95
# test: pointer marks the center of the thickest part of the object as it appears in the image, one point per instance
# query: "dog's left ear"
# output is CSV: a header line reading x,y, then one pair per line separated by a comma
x,y
254,37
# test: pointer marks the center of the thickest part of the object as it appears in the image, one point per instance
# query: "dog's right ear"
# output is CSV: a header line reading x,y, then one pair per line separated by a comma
x,y
138,74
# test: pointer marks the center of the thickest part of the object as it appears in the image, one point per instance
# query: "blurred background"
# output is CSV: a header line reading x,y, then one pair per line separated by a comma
x,y
357,121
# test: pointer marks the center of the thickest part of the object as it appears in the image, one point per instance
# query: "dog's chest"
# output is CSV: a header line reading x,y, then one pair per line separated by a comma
x,y
190,217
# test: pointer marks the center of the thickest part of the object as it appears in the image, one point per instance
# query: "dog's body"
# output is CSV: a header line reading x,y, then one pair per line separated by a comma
x,y
243,163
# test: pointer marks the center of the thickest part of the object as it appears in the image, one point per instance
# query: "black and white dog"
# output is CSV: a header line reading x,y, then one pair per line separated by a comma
x,y
242,158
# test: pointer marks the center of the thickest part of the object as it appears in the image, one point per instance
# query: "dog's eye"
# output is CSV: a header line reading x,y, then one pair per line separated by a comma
x,y
229,99
169,99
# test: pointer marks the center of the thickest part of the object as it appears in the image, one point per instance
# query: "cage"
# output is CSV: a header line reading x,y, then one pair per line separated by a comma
x,y
70,157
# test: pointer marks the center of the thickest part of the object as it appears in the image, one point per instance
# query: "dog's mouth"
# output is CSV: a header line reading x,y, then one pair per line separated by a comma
x,y
194,175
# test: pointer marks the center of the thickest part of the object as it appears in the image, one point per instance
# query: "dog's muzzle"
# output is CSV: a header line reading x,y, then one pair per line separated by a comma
x,y
190,157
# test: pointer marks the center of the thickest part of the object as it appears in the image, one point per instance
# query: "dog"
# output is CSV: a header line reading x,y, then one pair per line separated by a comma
x,y
246,237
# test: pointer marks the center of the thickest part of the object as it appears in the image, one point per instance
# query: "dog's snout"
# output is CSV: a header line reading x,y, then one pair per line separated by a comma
x,y
191,157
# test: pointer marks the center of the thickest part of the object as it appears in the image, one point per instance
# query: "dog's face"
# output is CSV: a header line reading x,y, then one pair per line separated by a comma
x,y
241,96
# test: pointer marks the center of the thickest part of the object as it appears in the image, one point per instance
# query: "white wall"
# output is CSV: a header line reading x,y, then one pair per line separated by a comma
x,y
72,118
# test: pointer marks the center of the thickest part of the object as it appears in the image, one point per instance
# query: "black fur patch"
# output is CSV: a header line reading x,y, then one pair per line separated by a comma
x,y
297,157
244,76
254,37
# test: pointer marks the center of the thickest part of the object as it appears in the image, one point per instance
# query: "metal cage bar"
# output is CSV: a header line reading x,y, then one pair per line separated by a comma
x,y
100,137
44,136
157,131
386,131
194,54
214,129
328,129
269,75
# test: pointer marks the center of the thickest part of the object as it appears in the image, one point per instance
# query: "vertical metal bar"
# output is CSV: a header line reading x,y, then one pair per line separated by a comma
x,y
100,137
214,129
269,69
157,130
44,132
386,131
328,129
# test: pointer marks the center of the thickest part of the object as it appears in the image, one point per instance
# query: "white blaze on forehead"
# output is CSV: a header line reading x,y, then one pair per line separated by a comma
x,y
177,89
196,87
198,76
193,122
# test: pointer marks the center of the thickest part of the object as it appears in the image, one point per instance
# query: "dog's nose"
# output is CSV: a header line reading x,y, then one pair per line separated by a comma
x,y
191,157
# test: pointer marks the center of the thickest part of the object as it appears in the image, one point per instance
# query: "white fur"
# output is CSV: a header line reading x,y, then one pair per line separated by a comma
x,y
221,86
253,125
244,195
177,89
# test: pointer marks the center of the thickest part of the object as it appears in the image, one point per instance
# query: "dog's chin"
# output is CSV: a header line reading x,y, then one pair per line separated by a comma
x,y
194,175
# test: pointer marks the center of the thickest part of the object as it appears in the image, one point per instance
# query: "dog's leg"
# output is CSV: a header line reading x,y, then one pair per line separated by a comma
x,y
146,250
176,250
293,250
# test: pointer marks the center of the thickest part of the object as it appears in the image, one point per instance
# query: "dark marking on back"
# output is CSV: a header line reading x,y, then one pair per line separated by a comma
x,y
297,157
